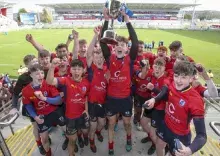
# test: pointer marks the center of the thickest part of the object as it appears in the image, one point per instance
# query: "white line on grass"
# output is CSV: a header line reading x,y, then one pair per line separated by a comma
x,y
8,65
13,44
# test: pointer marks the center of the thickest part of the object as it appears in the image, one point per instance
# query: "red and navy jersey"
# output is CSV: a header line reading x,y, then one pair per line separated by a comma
x,y
170,63
98,84
56,73
76,96
120,77
159,83
170,74
141,85
200,89
83,59
148,56
61,88
41,107
181,108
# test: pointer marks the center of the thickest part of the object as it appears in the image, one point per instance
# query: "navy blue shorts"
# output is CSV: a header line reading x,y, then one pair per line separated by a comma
x,y
157,117
96,111
55,117
165,134
139,100
73,125
114,106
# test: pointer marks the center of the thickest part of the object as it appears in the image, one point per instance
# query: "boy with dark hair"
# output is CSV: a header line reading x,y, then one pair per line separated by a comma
x,y
143,55
183,105
63,69
62,49
176,50
76,112
120,66
40,101
24,80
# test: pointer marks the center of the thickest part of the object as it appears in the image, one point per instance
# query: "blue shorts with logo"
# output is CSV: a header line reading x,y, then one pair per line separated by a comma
x,y
165,134
115,105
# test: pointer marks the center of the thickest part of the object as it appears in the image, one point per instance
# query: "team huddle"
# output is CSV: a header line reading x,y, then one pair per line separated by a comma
x,y
82,90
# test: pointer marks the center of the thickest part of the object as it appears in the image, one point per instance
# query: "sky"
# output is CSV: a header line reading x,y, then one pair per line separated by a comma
x,y
29,5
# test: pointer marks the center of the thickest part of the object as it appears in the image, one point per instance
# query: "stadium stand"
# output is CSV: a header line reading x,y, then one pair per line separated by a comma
x,y
155,15
6,16
7,24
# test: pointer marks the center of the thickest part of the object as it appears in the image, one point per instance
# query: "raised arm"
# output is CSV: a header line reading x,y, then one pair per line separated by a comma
x,y
76,44
51,80
211,88
163,95
133,37
145,66
90,49
34,43
69,39
105,49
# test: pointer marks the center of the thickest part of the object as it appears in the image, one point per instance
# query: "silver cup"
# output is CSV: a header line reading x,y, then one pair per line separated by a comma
x,y
110,35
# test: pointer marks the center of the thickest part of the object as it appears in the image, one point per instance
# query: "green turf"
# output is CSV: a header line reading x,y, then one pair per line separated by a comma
x,y
203,46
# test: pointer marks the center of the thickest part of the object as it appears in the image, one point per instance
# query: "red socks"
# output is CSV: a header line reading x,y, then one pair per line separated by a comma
x,y
110,145
97,132
48,153
128,137
39,143
92,141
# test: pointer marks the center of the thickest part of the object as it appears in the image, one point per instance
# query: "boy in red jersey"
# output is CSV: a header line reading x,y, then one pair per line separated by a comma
x,y
24,80
210,90
141,92
176,50
184,104
120,66
98,90
63,68
76,101
162,52
143,55
141,95
79,48
40,101
159,78
44,60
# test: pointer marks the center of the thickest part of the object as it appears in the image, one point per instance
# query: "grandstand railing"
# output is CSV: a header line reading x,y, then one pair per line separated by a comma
x,y
10,120
215,103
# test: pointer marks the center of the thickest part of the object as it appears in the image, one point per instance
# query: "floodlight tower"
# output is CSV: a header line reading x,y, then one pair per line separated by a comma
x,y
193,16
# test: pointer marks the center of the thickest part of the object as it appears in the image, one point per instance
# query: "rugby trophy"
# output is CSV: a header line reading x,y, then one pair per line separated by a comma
x,y
110,35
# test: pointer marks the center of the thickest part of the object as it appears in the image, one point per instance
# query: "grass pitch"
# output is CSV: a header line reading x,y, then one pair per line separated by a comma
x,y
202,46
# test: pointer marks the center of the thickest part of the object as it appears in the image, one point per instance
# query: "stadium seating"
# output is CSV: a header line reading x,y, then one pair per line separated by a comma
x,y
153,24
7,24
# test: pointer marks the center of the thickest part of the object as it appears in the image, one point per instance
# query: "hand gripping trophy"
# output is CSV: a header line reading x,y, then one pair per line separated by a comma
x,y
110,35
